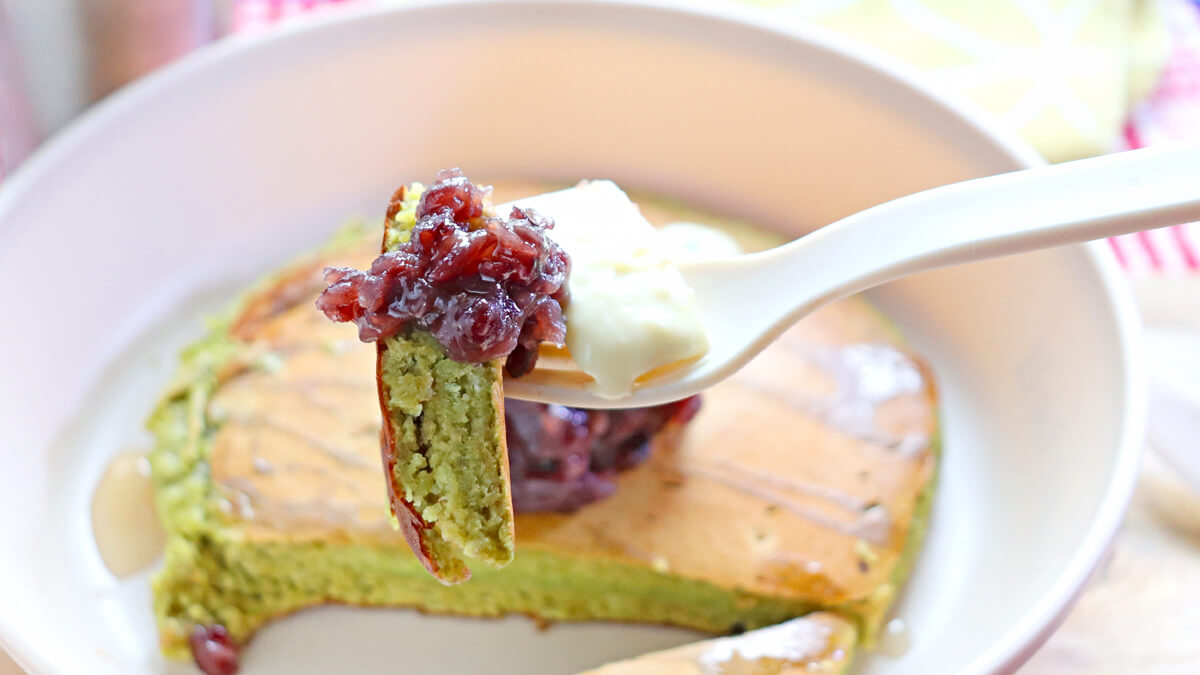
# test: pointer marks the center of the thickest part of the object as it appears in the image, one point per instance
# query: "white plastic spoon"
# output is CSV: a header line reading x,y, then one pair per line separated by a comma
x,y
749,300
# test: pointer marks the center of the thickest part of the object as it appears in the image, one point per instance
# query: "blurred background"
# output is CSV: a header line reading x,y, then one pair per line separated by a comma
x,y
1074,77
1068,74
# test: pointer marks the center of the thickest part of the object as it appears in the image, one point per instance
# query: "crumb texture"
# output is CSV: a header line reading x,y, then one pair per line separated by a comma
x,y
449,445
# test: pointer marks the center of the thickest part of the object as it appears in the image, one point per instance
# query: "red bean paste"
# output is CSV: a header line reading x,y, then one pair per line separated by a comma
x,y
485,287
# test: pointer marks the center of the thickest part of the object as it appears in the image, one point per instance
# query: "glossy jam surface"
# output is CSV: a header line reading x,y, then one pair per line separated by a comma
x,y
485,287
562,458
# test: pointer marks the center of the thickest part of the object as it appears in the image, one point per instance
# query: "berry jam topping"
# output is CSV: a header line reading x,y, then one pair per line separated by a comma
x,y
563,458
213,650
485,287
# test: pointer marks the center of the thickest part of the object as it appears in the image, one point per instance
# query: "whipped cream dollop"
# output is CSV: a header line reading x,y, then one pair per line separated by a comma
x,y
630,310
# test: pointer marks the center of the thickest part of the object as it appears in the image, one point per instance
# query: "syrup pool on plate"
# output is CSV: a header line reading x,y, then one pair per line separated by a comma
x,y
125,523
895,640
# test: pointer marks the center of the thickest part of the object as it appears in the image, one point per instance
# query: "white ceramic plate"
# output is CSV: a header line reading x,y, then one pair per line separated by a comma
x,y
152,209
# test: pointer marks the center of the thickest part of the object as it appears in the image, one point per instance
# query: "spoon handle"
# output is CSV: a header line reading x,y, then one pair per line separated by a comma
x,y
758,296
985,218
1013,213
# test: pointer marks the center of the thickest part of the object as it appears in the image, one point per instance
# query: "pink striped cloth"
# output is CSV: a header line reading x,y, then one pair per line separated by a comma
x,y
249,16
1170,115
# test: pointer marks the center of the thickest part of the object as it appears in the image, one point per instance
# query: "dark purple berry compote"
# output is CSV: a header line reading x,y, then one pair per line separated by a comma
x,y
213,650
563,458
485,287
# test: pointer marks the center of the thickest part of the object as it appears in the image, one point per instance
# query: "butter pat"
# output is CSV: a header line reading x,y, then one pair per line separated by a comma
x,y
630,310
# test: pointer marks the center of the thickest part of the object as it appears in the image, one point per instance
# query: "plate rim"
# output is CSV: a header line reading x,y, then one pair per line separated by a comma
x,y
1021,640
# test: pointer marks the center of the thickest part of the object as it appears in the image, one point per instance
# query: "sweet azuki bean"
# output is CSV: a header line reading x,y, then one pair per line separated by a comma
x,y
485,287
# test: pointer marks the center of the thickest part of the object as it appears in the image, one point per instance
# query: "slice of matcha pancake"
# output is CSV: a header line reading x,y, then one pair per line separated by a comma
x,y
443,440
457,296
803,484
819,643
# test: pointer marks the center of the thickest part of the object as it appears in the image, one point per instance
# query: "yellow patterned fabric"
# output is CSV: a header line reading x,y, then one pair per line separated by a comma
x,y
1063,73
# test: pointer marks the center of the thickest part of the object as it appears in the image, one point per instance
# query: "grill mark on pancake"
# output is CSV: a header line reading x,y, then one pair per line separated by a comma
x,y
307,391
252,505
601,533
834,496
345,381
287,292
866,376
340,455
873,524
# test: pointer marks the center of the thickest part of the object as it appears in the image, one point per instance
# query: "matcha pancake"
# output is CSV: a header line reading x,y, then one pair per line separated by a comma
x,y
802,484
